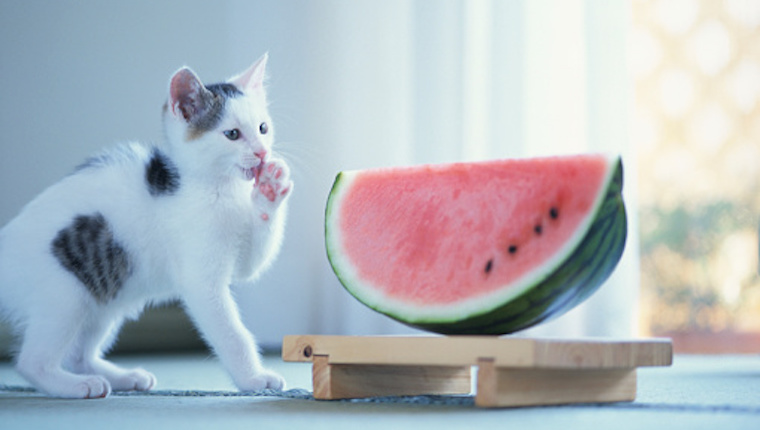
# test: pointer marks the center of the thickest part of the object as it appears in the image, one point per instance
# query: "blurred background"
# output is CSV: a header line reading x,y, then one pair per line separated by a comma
x,y
672,85
696,70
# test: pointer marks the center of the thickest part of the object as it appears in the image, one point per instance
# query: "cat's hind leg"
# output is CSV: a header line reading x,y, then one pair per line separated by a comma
x,y
48,339
95,337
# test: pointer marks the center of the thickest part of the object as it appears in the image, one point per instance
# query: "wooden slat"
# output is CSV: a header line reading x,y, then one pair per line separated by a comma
x,y
602,354
499,387
467,350
403,350
347,381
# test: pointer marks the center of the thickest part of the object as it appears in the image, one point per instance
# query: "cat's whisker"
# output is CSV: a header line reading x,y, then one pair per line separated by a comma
x,y
302,157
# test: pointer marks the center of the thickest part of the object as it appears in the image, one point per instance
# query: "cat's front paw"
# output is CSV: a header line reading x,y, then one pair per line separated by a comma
x,y
266,379
273,185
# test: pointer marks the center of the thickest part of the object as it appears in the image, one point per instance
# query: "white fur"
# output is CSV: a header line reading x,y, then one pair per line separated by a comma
x,y
216,229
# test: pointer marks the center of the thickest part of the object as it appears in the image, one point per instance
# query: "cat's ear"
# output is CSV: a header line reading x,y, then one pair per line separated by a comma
x,y
254,76
187,95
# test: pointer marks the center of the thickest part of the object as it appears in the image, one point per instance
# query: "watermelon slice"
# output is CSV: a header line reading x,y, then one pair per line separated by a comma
x,y
477,248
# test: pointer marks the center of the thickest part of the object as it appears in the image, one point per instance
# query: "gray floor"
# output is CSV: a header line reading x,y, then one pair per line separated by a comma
x,y
715,392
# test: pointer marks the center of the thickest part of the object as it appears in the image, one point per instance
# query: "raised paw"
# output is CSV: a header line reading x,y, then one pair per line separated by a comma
x,y
266,379
273,181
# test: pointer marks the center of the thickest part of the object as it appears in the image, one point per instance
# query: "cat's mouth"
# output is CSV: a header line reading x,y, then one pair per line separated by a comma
x,y
252,173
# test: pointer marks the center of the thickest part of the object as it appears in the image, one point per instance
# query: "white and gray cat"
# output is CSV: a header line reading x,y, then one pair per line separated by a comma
x,y
143,224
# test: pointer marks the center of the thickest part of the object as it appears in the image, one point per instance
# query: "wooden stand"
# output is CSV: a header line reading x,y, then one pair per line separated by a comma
x,y
510,371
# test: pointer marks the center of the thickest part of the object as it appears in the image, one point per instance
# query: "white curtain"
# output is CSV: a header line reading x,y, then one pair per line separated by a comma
x,y
357,84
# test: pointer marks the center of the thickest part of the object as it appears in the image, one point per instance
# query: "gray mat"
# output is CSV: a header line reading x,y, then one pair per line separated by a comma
x,y
442,400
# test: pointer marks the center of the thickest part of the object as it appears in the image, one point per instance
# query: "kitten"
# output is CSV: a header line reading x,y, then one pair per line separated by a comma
x,y
143,224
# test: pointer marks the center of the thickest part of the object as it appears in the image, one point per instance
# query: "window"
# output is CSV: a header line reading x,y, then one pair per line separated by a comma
x,y
697,131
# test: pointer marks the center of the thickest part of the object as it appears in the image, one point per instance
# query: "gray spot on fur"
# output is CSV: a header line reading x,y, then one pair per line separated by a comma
x,y
213,102
228,91
161,175
87,249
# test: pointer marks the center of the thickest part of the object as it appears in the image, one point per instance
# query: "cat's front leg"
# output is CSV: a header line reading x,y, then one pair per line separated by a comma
x,y
264,237
216,315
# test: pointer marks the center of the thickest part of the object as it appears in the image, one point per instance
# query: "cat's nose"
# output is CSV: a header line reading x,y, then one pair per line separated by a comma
x,y
262,155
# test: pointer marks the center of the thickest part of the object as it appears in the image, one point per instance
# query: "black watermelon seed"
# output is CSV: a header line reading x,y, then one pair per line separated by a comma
x,y
538,229
512,249
554,213
489,266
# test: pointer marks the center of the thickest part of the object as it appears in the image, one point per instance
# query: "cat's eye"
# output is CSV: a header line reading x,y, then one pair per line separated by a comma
x,y
233,134
263,128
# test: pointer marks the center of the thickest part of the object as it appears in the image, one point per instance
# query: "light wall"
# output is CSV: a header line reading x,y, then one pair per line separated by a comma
x,y
353,84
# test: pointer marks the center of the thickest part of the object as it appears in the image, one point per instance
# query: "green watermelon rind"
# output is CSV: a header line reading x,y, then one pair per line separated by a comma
x,y
578,271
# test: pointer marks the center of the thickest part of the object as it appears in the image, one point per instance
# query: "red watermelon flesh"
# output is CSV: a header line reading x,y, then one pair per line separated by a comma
x,y
446,242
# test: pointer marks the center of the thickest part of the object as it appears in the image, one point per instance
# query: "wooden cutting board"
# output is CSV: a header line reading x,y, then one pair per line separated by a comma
x,y
510,371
